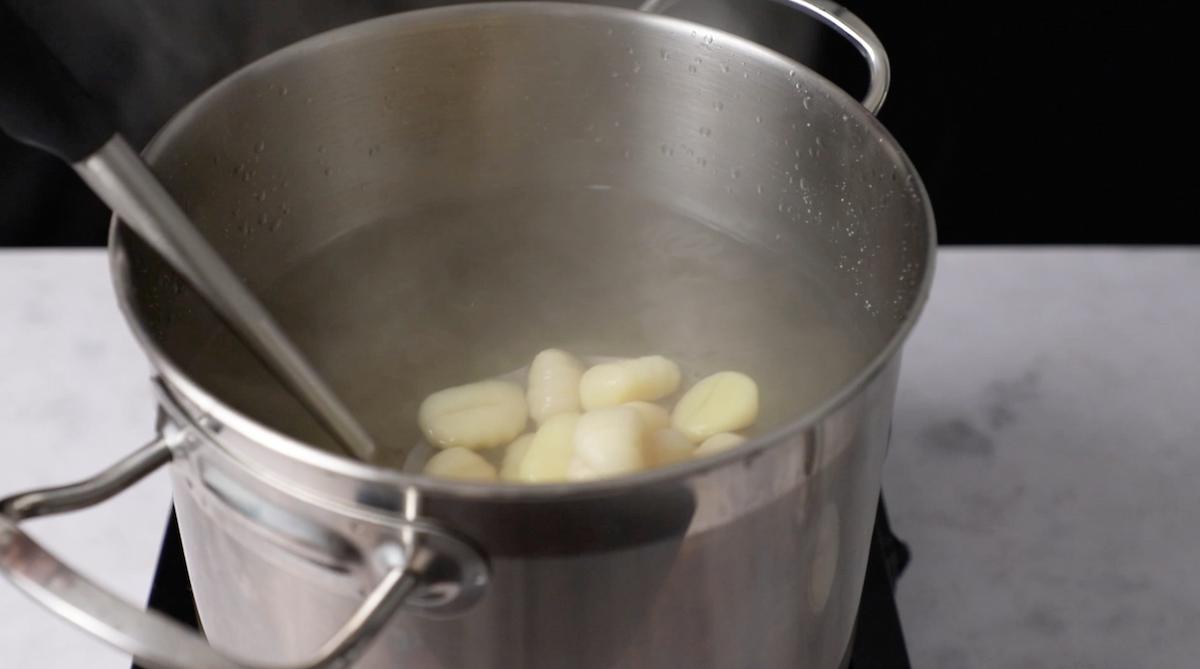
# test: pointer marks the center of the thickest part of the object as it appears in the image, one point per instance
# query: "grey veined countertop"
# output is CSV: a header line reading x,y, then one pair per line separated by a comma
x,y
1045,464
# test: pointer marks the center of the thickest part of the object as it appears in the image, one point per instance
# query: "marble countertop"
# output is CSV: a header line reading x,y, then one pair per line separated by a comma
x,y
1044,465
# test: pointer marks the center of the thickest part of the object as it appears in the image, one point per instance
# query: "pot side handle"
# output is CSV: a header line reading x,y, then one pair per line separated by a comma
x,y
154,640
847,25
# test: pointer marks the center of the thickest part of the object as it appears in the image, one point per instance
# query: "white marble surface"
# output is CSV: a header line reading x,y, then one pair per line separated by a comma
x,y
1044,467
1046,459
73,398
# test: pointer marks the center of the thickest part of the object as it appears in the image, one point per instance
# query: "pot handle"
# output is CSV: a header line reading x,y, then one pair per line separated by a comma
x,y
155,641
847,25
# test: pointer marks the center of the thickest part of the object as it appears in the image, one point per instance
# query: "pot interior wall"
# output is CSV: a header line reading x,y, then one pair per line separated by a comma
x,y
431,199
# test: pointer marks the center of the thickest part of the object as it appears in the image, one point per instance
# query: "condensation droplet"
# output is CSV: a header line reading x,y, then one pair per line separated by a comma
x,y
258,148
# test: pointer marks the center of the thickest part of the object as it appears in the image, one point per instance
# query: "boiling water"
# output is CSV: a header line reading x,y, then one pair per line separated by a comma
x,y
457,292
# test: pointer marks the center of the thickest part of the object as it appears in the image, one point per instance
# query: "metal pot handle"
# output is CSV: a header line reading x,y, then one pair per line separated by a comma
x,y
154,640
846,24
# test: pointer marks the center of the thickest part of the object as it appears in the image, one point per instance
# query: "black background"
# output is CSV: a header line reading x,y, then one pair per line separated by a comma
x,y
1030,123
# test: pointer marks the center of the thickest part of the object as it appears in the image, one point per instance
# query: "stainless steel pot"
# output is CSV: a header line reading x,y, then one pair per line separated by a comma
x,y
430,198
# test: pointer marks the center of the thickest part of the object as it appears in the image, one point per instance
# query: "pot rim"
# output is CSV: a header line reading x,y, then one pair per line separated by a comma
x,y
335,463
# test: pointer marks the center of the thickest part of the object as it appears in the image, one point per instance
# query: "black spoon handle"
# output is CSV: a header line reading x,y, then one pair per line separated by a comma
x,y
41,103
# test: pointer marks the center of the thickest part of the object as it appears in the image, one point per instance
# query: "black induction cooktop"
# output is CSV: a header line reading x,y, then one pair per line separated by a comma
x,y
878,638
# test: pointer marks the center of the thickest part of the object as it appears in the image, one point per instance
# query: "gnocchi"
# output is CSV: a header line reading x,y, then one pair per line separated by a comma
x,y
667,447
718,443
553,384
608,443
653,416
460,464
514,455
474,416
641,379
588,422
723,402
550,451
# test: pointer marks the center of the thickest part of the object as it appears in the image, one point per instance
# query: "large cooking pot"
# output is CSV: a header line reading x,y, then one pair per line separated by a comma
x,y
431,198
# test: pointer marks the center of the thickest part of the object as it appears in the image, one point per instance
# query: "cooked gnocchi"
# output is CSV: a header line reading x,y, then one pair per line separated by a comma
x,y
588,423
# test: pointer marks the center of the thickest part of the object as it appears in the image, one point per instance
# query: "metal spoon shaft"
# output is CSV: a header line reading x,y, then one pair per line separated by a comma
x,y
119,176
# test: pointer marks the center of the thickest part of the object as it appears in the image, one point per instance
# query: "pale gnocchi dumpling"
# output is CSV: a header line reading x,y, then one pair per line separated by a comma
x,y
653,416
718,443
667,447
460,464
514,455
550,452
614,383
553,384
608,442
475,416
723,402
